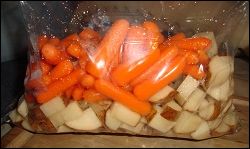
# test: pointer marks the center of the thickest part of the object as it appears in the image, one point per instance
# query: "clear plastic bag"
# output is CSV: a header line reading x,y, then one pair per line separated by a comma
x,y
115,67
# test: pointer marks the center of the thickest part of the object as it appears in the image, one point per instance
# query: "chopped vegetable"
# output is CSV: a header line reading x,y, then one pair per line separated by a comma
x,y
58,86
123,97
165,76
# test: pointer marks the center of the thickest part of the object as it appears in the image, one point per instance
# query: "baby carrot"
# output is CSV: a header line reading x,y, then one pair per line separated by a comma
x,y
199,43
75,49
89,33
82,62
51,54
68,40
92,69
77,93
109,49
195,71
45,67
46,79
166,56
59,86
153,34
62,69
149,87
92,96
192,57
68,92
87,81
123,74
203,57
54,41
177,36
29,97
41,41
134,47
34,84
124,97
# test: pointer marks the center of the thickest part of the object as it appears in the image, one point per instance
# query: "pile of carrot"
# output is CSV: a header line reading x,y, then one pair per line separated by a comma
x,y
129,64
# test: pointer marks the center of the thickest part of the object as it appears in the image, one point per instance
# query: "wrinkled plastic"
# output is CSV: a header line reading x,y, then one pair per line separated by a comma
x,y
94,57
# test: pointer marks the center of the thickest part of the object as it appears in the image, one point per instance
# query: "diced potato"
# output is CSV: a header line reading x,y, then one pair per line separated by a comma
x,y
53,106
185,89
124,114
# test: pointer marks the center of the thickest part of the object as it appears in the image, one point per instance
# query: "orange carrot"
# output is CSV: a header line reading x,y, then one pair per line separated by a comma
x,y
29,97
192,57
149,87
168,54
153,34
92,69
92,96
195,71
87,81
51,54
108,49
34,84
58,86
62,69
75,49
45,67
134,47
123,74
172,40
199,43
89,33
82,62
203,57
68,40
177,36
68,92
41,41
124,97
77,93
46,79
54,41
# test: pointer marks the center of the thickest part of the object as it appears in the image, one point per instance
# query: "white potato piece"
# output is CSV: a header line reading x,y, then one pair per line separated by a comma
x,y
171,110
186,88
124,114
87,121
231,119
52,106
22,108
160,123
225,107
143,120
202,132
211,111
111,122
25,123
15,116
222,128
64,128
163,93
194,100
222,92
204,103
57,119
187,122
72,111
214,123
213,50
220,67
136,129
174,105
